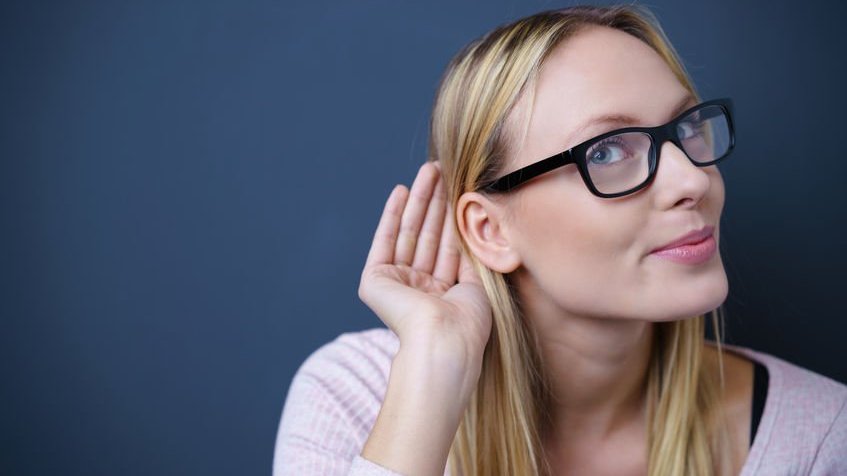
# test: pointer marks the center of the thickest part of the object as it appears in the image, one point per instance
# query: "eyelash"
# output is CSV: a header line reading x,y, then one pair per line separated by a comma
x,y
603,143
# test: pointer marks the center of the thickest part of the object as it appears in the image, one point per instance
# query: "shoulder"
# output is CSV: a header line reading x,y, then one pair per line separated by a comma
x,y
349,371
803,429
353,355
333,401
802,392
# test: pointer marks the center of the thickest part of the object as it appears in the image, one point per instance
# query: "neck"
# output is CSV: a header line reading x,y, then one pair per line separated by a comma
x,y
597,371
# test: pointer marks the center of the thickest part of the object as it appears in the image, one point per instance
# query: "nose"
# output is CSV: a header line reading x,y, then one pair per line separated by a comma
x,y
678,181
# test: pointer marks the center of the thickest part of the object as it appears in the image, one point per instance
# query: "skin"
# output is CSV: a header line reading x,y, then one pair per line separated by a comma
x,y
582,266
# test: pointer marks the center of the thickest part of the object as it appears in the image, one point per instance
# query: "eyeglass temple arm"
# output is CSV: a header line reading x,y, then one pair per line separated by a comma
x,y
512,180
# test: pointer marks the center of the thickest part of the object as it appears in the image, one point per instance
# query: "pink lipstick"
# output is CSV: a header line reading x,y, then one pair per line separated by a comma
x,y
693,248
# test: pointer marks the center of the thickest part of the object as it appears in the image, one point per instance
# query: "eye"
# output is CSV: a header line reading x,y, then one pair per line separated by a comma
x,y
607,151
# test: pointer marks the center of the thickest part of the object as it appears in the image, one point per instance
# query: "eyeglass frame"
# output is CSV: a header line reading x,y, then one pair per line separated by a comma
x,y
657,134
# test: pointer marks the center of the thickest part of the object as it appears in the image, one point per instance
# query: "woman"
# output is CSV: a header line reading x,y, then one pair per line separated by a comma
x,y
549,317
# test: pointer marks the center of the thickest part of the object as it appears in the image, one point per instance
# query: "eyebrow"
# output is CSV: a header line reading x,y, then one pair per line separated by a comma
x,y
623,119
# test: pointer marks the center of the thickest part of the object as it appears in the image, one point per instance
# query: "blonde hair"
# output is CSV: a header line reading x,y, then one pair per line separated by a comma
x,y
501,430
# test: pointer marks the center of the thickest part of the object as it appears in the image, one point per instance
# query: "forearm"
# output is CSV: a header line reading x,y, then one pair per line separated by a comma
x,y
427,393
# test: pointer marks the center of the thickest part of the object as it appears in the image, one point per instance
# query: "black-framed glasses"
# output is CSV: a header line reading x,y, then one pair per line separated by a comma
x,y
623,161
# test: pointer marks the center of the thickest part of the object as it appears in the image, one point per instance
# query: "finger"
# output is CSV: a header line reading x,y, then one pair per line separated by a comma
x,y
430,235
449,252
413,215
385,236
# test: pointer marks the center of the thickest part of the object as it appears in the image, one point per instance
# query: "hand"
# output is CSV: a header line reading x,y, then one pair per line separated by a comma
x,y
418,280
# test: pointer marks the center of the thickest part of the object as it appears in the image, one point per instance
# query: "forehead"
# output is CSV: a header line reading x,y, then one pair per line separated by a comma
x,y
599,71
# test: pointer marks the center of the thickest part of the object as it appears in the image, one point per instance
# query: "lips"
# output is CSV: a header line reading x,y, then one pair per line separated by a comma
x,y
690,238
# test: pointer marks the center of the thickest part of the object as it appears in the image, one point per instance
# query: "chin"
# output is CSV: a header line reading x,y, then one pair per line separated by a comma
x,y
693,298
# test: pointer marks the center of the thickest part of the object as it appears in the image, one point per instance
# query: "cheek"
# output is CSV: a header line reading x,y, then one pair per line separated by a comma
x,y
577,252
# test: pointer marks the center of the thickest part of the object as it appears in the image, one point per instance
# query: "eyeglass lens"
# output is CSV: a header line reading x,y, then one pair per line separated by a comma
x,y
622,162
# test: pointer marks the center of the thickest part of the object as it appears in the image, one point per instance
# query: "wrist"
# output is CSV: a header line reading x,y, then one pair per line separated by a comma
x,y
433,369
440,358
426,397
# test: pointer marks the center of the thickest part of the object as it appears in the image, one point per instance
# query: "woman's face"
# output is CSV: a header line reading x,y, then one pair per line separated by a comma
x,y
591,256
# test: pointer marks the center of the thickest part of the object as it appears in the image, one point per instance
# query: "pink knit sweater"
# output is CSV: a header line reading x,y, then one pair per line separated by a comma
x,y
336,395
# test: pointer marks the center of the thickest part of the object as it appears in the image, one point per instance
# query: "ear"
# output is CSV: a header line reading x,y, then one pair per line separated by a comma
x,y
480,221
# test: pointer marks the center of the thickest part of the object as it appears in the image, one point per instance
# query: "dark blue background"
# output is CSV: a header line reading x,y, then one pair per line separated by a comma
x,y
188,192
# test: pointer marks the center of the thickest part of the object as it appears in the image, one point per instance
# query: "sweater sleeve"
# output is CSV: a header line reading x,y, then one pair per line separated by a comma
x,y
364,467
831,459
331,407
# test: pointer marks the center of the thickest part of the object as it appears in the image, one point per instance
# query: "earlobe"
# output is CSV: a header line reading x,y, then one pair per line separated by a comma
x,y
480,221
